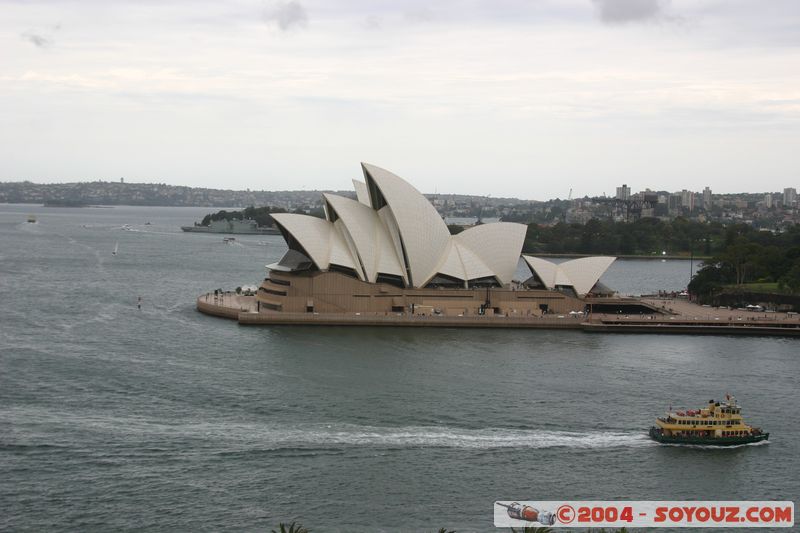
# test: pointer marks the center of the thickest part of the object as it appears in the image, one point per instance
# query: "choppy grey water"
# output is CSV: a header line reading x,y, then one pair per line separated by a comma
x,y
115,418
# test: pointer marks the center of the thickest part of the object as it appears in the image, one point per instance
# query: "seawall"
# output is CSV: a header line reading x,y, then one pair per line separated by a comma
x,y
243,310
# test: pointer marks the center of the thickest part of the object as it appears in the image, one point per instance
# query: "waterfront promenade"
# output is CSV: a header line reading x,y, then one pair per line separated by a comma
x,y
679,316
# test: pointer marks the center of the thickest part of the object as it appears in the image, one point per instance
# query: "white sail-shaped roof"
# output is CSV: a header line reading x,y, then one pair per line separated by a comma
x,y
451,264
392,230
462,263
313,234
586,271
374,249
545,270
340,252
423,233
361,192
581,274
497,245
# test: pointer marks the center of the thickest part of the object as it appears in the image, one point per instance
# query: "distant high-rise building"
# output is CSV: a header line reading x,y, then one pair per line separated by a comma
x,y
707,198
768,201
687,199
122,180
624,192
789,196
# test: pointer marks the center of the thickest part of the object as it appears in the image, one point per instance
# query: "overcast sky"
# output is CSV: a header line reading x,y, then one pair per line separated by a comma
x,y
525,98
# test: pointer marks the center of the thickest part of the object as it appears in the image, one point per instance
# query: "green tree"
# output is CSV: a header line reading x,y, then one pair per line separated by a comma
x,y
791,280
742,256
292,528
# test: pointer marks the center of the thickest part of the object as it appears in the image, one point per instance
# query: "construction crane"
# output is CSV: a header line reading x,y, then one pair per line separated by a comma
x,y
564,214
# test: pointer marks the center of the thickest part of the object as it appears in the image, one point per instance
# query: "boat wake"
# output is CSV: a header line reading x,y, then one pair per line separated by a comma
x,y
347,435
253,437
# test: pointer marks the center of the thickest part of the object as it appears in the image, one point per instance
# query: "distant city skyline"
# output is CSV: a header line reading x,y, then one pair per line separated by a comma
x,y
511,98
20,191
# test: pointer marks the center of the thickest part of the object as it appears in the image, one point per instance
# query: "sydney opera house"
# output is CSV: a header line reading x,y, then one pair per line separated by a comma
x,y
389,251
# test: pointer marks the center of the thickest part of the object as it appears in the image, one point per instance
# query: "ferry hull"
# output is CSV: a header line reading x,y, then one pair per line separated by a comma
x,y
656,435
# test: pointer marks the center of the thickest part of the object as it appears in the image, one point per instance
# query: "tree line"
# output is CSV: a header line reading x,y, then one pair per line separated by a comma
x,y
752,257
262,215
646,236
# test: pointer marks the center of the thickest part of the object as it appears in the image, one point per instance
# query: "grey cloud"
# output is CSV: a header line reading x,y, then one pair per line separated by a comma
x,y
287,15
373,22
419,15
625,11
38,40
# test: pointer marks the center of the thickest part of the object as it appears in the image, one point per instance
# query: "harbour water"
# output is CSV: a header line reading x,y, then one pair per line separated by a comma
x,y
114,417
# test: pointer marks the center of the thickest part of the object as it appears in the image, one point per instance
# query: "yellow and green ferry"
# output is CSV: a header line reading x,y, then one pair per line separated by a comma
x,y
718,424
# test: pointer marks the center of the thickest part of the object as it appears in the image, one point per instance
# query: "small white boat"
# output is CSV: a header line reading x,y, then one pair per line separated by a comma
x,y
31,219
116,249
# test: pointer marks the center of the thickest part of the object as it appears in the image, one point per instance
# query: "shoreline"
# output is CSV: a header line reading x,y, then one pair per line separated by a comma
x,y
709,321
631,256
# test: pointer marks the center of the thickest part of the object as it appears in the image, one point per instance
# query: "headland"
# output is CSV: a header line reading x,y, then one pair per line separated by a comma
x,y
685,318
388,259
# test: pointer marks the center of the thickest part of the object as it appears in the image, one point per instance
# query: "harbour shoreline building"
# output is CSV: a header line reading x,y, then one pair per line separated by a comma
x,y
389,251
388,259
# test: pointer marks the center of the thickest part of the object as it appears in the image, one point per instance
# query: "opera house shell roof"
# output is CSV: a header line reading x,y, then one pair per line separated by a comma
x,y
581,274
391,233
